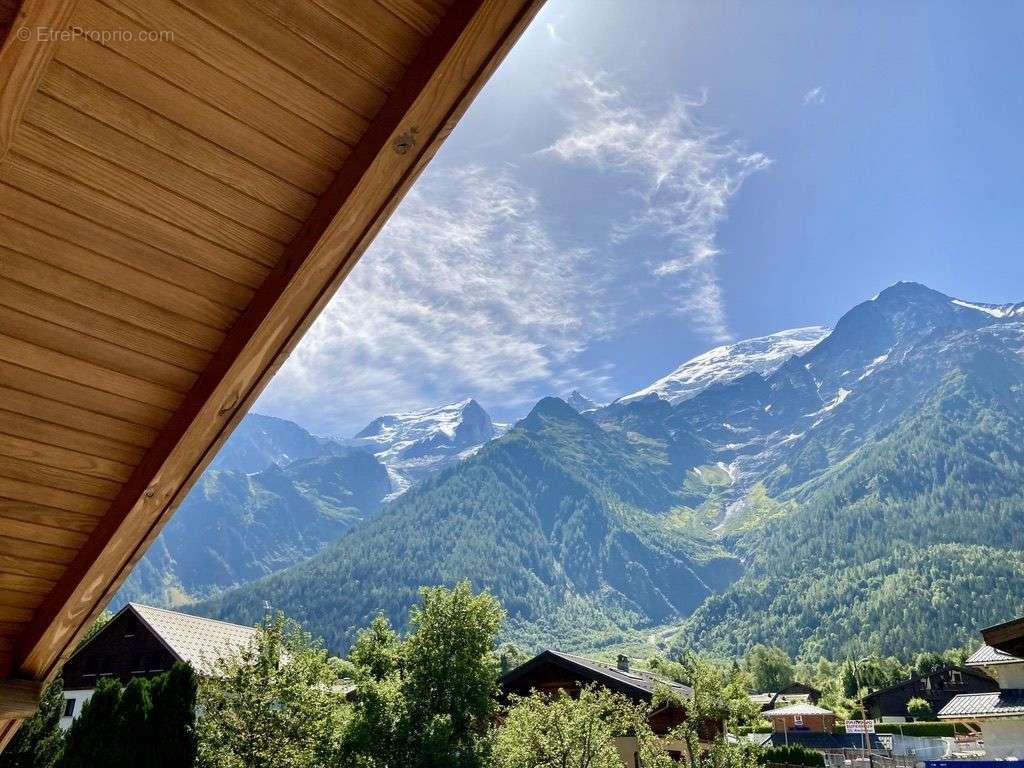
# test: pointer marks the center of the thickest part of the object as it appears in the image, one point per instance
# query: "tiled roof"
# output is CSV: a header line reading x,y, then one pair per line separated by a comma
x,y
797,709
987,656
639,679
193,639
1005,703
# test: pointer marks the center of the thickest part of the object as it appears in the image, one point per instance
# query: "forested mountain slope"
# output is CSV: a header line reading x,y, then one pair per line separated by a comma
x,y
582,532
863,496
914,542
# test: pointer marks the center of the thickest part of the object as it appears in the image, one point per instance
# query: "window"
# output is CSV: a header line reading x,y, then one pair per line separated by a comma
x,y
798,721
69,708
955,677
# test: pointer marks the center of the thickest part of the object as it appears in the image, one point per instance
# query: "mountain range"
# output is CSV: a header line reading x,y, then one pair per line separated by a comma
x,y
859,489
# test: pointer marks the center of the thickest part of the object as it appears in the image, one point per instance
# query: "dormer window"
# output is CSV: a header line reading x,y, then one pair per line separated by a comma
x,y
956,677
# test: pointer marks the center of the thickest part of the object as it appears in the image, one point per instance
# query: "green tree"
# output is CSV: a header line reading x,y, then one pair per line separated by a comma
x,y
275,704
770,667
553,732
93,740
920,709
40,741
426,700
172,719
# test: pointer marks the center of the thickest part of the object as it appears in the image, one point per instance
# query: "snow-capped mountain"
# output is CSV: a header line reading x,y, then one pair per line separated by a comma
x,y
763,355
580,402
416,444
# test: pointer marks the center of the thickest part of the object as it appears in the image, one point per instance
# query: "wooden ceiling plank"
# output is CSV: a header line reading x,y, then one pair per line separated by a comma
x,y
43,534
31,584
422,18
219,49
436,90
74,369
171,271
63,458
243,101
127,152
20,566
60,312
122,114
43,333
338,40
68,434
21,490
24,61
286,49
41,183
195,115
51,516
378,25
35,552
10,613
57,391
113,181
58,477
96,267
43,277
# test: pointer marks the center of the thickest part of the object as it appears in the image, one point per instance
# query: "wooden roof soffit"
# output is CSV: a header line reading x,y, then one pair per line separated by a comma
x,y
437,87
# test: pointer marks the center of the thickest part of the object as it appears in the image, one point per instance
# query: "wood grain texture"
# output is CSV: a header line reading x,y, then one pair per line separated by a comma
x,y
437,89
131,345
24,58
95,99
193,114
213,45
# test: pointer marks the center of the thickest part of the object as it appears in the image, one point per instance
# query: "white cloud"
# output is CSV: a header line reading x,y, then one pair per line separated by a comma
x,y
464,292
684,174
480,285
815,95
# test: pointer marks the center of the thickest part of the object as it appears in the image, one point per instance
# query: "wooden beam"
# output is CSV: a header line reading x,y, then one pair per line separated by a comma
x,y
19,698
437,88
26,53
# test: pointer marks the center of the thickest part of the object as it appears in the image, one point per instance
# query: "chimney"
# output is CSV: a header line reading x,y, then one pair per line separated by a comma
x,y
623,663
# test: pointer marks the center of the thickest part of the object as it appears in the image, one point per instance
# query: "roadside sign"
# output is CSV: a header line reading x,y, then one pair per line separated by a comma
x,y
860,726
886,740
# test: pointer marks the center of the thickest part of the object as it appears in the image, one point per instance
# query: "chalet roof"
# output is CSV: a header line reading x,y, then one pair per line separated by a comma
x,y
1005,703
192,639
987,656
797,709
639,683
913,680
1008,636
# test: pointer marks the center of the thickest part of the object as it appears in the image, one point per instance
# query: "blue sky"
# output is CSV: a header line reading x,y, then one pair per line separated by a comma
x,y
641,181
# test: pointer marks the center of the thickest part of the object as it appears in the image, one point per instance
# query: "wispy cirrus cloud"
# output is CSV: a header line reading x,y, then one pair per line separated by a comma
x,y
465,292
683,174
482,284
815,95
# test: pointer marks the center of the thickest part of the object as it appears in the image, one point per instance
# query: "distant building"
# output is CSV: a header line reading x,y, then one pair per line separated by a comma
x,y
938,688
551,672
794,693
807,718
1001,713
141,641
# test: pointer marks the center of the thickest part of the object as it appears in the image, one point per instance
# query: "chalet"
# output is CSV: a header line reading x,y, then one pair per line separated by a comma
x,y
143,641
938,688
1000,713
811,726
552,671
